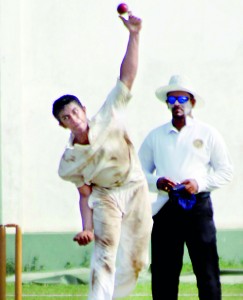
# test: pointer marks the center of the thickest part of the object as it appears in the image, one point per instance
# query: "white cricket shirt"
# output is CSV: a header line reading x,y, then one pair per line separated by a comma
x,y
110,159
197,152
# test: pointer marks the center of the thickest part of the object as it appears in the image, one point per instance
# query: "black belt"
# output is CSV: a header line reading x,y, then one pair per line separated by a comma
x,y
202,195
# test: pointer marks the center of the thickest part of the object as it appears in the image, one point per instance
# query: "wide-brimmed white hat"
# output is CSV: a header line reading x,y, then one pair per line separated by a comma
x,y
178,83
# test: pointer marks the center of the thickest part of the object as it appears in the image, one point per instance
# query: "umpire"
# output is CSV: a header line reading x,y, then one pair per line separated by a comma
x,y
191,153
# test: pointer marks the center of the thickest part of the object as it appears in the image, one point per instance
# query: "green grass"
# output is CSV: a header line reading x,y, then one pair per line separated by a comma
x,y
187,291
224,265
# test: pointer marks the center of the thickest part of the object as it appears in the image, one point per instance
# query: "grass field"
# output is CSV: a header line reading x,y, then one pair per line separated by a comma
x,y
142,292
188,291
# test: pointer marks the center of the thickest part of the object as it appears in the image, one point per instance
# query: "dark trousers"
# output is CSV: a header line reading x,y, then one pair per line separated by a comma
x,y
173,227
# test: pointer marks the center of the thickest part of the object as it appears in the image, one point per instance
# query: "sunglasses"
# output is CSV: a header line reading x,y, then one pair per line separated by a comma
x,y
181,99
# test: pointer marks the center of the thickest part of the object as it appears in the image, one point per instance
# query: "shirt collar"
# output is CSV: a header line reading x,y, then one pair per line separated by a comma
x,y
171,128
70,141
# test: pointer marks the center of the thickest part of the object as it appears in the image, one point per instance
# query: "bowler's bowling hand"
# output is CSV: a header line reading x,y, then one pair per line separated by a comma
x,y
133,24
191,186
165,184
84,237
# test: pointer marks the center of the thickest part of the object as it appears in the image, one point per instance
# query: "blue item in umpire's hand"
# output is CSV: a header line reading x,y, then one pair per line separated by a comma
x,y
183,198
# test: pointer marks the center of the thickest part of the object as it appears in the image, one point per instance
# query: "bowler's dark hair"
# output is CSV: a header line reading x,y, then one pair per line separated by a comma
x,y
59,104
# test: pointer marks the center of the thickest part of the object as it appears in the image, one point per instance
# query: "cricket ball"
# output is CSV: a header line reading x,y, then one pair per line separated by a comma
x,y
122,8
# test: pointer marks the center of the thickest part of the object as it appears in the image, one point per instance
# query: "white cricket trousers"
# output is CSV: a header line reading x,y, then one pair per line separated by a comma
x,y
122,227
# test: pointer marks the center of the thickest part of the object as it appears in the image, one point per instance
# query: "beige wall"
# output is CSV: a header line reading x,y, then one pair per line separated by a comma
x,y
52,47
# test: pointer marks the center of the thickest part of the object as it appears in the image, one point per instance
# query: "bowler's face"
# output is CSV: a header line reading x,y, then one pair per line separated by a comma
x,y
180,109
74,118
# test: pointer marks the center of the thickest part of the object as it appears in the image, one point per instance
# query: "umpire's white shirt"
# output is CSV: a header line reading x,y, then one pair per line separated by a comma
x,y
197,152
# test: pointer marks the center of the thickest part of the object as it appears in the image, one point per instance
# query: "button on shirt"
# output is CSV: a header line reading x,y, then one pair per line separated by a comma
x,y
110,159
197,152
